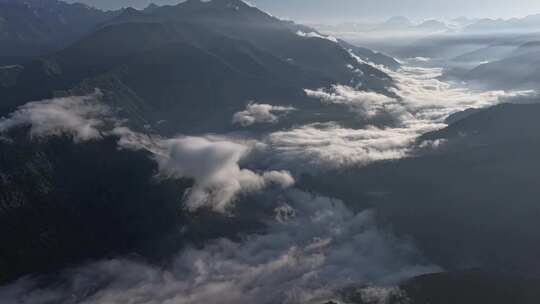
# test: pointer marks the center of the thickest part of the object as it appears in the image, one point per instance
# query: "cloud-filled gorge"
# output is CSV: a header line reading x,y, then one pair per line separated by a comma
x,y
312,247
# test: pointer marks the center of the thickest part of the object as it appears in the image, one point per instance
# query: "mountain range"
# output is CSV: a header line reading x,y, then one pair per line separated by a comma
x,y
190,48
166,74
173,69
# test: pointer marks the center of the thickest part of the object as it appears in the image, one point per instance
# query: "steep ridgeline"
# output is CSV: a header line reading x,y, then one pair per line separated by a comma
x,y
195,64
30,28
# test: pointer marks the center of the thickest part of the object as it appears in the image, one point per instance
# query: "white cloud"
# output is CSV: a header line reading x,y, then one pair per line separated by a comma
x,y
328,145
260,113
214,165
316,35
321,248
419,59
77,116
213,162
366,104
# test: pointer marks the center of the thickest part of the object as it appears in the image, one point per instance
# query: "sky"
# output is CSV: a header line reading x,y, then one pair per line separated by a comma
x,y
354,10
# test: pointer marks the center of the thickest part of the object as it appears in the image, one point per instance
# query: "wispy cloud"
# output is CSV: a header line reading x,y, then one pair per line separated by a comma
x,y
314,247
77,116
316,35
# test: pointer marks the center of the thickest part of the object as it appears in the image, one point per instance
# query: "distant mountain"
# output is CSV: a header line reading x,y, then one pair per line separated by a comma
x,y
30,28
395,23
527,24
432,26
404,25
526,48
488,53
463,21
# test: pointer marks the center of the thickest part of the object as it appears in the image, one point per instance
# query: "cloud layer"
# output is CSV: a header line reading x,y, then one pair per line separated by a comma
x,y
314,247
366,104
421,105
328,146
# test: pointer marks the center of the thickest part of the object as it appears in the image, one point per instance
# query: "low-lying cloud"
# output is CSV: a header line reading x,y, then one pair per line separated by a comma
x,y
260,113
366,104
77,116
316,35
314,247
421,104
329,146
214,165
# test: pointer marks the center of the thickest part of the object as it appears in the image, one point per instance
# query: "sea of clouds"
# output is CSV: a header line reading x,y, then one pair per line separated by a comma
x,y
313,246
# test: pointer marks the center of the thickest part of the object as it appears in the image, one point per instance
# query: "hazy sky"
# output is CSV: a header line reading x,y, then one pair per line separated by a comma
x,y
324,10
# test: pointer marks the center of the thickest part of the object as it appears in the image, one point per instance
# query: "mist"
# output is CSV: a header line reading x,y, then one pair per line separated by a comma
x,y
355,10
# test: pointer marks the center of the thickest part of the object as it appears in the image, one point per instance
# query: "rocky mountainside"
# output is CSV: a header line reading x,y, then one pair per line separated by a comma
x,y
30,28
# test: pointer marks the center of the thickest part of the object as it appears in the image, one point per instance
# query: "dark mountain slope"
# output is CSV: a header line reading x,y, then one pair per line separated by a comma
x,y
208,59
371,56
30,28
9,75
188,75
516,72
236,19
61,203
472,288
473,202
529,23
465,287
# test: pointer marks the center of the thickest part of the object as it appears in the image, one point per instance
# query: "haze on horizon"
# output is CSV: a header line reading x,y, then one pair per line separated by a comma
x,y
322,11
